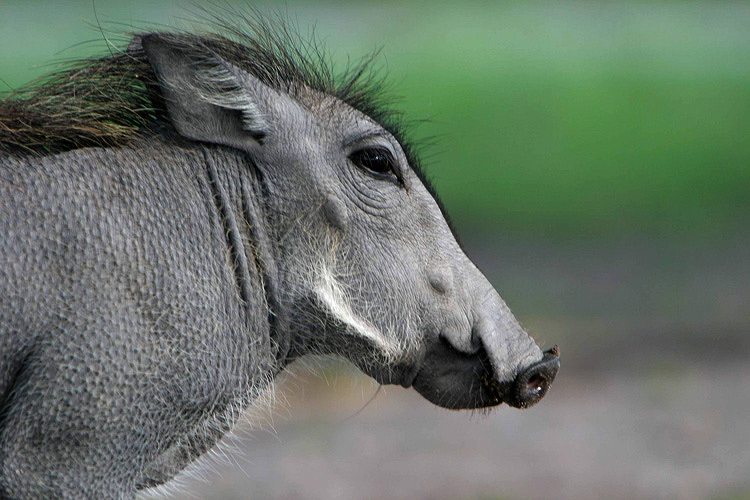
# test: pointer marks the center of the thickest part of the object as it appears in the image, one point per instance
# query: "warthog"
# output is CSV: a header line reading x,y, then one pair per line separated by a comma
x,y
181,220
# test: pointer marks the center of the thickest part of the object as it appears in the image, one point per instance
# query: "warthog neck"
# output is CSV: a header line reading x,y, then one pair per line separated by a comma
x,y
241,197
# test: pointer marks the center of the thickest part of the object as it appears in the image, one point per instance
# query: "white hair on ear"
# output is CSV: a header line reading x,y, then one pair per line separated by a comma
x,y
219,86
221,89
330,293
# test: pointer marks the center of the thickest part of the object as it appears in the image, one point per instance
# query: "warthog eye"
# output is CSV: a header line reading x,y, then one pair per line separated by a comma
x,y
378,162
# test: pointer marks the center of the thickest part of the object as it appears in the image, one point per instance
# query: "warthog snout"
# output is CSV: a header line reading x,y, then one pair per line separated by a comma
x,y
456,380
479,354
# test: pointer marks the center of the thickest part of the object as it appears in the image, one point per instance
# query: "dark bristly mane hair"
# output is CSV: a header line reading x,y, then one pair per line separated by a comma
x,y
111,100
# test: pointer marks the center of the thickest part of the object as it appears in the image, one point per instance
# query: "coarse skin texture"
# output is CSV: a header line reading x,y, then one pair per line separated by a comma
x,y
181,220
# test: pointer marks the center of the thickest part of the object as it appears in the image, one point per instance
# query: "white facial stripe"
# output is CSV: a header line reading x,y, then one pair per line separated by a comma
x,y
330,293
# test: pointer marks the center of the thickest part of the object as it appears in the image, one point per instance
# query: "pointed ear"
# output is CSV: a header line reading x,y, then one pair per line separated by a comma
x,y
207,98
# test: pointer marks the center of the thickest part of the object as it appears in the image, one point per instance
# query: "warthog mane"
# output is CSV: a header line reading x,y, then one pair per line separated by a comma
x,y
110,100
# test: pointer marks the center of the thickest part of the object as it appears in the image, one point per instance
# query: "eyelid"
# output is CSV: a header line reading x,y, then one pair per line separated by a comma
x,y
367,139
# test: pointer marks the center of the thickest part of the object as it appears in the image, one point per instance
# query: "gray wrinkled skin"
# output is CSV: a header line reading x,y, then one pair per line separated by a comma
x,y
149,292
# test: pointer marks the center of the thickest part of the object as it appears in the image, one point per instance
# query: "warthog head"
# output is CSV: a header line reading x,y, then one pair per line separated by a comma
x,y
369,267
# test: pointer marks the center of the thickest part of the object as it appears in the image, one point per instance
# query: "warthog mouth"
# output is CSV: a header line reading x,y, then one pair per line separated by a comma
x,y
456,380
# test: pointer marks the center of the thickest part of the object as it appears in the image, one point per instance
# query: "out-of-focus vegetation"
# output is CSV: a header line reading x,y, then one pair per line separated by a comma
x,y
579,118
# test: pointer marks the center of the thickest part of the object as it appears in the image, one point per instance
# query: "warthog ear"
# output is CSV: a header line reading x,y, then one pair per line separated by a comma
x,y
207,98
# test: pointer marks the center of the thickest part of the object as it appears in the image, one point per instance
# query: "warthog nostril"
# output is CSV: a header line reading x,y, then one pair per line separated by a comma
x,y
535,384
532,384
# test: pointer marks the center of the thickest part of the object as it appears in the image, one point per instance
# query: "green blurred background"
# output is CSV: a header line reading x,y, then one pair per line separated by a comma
x,y
569,118
594,157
